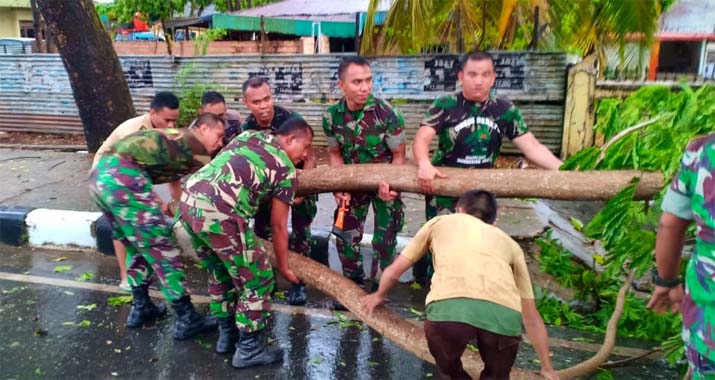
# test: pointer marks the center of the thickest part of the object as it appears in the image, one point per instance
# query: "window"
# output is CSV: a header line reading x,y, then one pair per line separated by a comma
x,y
27,29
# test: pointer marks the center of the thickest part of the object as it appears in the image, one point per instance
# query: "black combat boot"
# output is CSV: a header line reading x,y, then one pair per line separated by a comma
x,y
227,334
252,350
297,295
188,321
143,310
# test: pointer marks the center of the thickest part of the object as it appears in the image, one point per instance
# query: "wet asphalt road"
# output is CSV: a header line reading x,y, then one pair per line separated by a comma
x,y
55,326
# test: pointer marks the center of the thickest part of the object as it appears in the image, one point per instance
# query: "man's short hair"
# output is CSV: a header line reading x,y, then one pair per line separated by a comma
x,y
209,119
352,60
164,99
476,55
254,82
294,126
212,97
479,203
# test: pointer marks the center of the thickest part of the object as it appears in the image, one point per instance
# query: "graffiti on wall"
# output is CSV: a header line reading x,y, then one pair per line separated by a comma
x,y
285,80
441,73
138,73
510,68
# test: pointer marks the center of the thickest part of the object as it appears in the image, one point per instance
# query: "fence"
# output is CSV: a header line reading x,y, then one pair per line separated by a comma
x,y
35,93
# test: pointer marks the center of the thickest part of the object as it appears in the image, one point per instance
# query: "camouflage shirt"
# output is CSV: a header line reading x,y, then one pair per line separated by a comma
x,y
165,155
365,136
692,197
280,115
251,169
470,134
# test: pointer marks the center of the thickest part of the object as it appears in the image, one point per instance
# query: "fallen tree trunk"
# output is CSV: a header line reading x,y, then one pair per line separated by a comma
x,y
506,183
410,336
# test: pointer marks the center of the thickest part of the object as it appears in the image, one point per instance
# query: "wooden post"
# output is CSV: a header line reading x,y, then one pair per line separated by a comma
x,y
357,33
535,32
579,109
263,35
654,57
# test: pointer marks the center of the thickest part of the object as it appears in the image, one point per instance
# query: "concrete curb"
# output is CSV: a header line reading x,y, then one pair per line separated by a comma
x,y
90,231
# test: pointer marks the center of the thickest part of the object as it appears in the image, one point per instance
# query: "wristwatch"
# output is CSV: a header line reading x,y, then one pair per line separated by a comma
x,y
664,283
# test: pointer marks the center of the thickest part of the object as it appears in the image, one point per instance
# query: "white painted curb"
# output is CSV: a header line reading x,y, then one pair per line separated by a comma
x,y
61,228
73,230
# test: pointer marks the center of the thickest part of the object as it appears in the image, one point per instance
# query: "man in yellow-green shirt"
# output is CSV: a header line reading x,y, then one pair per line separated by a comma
x,y
481,289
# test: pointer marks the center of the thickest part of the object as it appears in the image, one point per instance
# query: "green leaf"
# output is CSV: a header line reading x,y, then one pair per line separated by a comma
x,y
316,360
119,300
582,339
87,307
416,312
14,290
604,374
86,276
577,224
416,286
279,295
472,347
62,268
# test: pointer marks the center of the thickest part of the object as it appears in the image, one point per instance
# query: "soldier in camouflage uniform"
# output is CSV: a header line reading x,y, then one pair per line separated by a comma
x,y
470,125
690,198
163,113
363,129
216,208
121,185
266,116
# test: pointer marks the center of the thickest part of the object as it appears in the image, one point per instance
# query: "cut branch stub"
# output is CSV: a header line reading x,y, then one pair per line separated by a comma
x,y
506,183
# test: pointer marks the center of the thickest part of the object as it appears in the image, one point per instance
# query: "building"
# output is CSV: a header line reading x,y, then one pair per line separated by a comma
x,y
335,25
683,48
687,42
16,19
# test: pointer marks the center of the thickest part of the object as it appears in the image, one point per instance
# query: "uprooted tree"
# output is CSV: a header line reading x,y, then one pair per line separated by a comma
x,y
95,74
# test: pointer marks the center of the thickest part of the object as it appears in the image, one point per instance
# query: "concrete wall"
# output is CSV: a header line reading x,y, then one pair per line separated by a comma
x,y
186,48
9,21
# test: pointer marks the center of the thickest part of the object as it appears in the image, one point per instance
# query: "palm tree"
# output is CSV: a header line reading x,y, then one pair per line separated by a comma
x,y
576,26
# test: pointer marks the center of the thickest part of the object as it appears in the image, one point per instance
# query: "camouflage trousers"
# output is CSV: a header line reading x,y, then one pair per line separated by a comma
x,y
698,321
302,216
389,219
240,274
434,206
123,192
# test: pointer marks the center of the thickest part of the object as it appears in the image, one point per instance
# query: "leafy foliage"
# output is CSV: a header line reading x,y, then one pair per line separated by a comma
x,y
203,40
189,91
575,26
598,291
647,131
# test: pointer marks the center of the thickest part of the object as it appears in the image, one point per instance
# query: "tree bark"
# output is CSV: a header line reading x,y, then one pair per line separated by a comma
x,y
410,336
98,84
37,25
507,183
